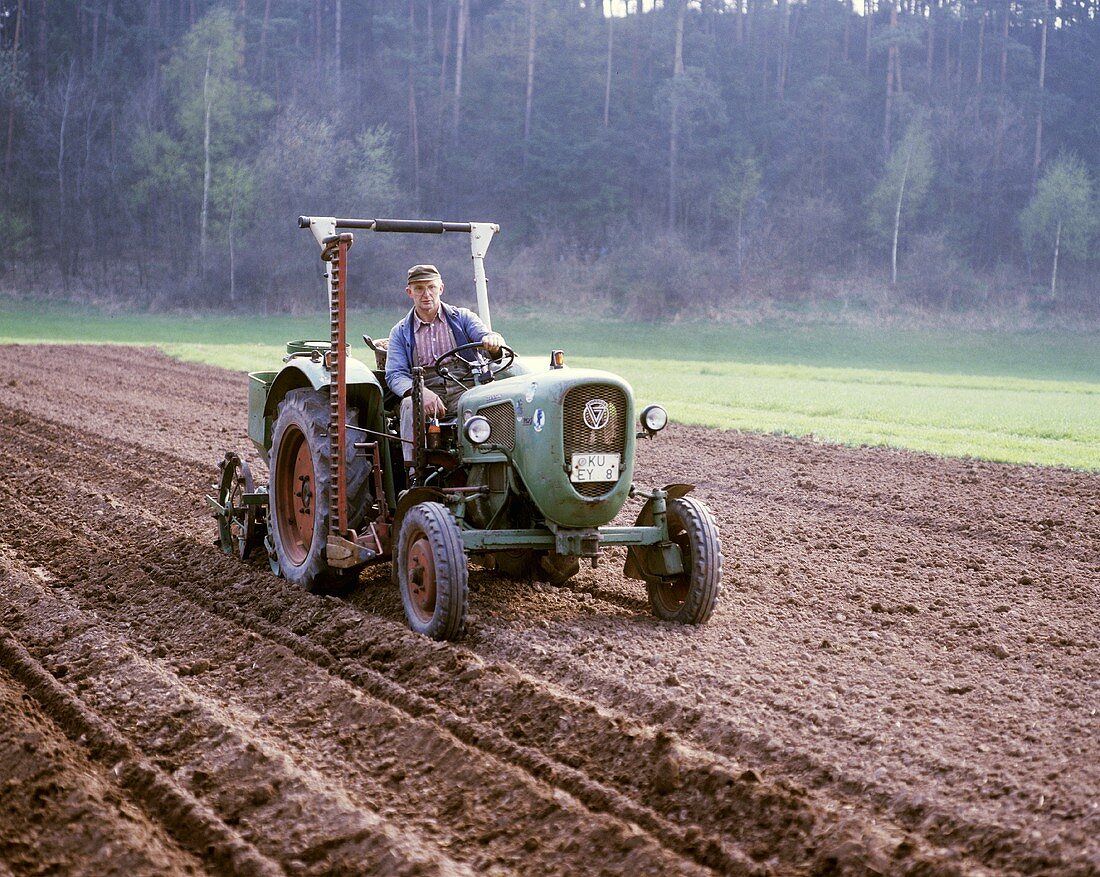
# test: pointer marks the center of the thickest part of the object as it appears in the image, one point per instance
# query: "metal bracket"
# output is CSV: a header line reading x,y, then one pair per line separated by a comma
x,y
322,227
577,543
420,443
481,235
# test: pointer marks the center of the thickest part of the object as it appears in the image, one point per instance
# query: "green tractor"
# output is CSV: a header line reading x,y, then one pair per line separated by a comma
x,y
525,478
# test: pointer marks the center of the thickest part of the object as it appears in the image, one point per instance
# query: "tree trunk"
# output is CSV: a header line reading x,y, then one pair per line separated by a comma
x,y
868,17
414,120
891,70
981,53
847,38
532,32
784,47
318,67
207,102
740,238
263,39
232,252
930,54
41,55
1037,157
66,100
446,55
1054,270
337,47
674,126
998,145
11,110
607,78
460,49
897,220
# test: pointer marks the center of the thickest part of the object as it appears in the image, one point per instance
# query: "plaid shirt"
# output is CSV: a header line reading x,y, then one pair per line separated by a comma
x,y
432,339
465,325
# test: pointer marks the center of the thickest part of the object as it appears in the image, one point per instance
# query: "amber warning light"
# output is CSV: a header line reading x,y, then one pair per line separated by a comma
x,y
557,359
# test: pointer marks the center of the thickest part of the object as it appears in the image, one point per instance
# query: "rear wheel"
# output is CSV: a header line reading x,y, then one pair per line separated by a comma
x,y
690,597
299,491
432,572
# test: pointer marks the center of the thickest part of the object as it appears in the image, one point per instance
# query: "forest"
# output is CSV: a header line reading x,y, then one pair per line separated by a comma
x,y
685,157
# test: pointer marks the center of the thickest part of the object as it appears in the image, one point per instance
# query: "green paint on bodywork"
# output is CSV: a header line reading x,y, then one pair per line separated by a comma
x,y
364,393
539,454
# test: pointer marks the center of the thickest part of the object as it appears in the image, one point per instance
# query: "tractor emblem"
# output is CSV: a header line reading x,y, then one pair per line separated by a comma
x,y
595,413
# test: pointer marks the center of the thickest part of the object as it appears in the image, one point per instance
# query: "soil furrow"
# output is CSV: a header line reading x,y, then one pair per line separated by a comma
x,y
60,812
789,831
186,819
487,740
904,673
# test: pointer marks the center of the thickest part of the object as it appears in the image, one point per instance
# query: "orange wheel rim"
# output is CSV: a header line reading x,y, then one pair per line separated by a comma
x,y
295,492
420,569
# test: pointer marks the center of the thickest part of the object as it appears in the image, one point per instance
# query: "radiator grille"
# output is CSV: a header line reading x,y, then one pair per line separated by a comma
x,y
502,423
579,438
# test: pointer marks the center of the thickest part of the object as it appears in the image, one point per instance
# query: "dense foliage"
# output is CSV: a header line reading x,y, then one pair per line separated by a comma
x,y
672,156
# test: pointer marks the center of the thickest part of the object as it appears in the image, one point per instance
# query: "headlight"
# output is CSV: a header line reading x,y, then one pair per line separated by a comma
x,y
477,430
654,418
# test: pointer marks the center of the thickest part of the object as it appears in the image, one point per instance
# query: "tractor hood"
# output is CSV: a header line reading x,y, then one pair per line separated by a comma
x,y
570,434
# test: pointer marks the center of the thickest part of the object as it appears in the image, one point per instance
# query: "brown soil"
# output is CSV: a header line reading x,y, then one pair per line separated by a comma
x,y
903,674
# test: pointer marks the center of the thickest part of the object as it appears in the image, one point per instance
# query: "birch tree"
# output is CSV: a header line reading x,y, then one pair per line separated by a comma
x,y
215,116
1061,217
902,188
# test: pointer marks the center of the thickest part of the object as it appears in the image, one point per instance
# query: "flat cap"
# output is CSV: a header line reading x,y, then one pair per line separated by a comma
x,y
423,274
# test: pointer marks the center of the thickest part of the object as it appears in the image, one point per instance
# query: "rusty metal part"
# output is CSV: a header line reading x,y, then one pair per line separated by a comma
x,y
420,441
422,586
295,486
377,475
674,591
335,252
238,509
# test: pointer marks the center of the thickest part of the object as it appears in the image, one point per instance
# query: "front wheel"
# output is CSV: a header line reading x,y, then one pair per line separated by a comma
x,y
690,597
432,572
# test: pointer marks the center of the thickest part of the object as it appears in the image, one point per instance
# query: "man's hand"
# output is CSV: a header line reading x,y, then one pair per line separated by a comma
x,y
433,405
493,342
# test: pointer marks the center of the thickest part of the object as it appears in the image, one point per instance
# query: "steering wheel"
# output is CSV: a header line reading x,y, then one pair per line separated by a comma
x,y
483,368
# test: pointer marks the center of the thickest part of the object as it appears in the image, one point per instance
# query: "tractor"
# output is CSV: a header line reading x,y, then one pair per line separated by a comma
x,y
525,478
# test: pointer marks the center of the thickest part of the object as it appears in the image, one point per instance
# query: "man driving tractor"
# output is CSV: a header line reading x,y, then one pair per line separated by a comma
x,y
430,329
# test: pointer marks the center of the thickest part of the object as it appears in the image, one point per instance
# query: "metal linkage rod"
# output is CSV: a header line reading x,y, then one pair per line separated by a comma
x,y
405,226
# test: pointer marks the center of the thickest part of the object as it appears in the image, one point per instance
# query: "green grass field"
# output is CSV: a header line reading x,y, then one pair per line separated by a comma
x,y
1015,397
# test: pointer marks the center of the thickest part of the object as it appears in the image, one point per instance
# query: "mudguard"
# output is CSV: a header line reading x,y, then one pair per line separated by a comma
x,y
302,371
267,389
635,567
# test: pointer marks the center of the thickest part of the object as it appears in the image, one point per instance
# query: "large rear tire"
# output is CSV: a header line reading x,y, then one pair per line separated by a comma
x,y
298,492
432,572
690,598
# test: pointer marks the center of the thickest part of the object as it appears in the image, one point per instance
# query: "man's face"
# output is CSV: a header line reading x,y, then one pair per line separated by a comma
x,y
425,296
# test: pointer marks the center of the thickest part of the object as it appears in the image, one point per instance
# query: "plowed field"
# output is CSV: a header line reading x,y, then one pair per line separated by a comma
x,y
903,675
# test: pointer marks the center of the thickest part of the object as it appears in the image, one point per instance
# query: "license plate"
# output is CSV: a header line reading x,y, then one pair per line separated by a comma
x,y
594,467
